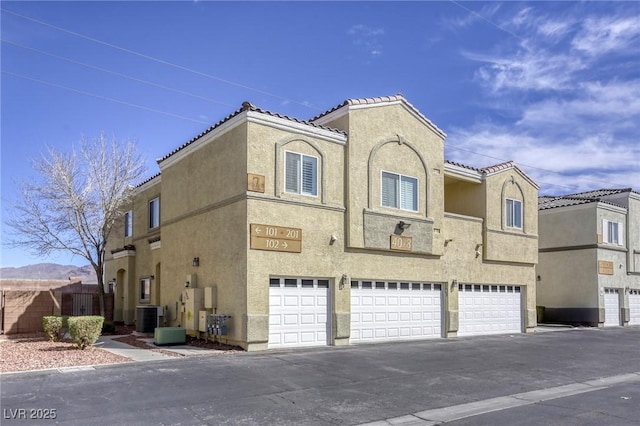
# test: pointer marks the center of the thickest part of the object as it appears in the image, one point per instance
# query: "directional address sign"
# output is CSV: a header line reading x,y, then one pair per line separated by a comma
x,y
276,238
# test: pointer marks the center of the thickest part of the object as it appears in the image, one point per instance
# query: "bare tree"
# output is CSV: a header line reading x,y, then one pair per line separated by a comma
x,y
77,201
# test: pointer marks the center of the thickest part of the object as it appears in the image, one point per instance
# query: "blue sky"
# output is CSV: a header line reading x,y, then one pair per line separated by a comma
x,y
554,86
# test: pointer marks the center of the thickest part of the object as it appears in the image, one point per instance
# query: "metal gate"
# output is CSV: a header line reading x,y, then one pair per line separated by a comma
x,y
82,304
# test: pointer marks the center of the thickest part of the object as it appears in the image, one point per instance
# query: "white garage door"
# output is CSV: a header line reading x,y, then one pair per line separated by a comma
x,y
384,311
634,307
611,307
298,312
489,309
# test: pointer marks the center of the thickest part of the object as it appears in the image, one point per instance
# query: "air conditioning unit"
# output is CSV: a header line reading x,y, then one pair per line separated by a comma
x,y
148,318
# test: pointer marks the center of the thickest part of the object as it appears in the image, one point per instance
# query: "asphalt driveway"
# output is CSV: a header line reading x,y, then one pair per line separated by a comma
x,y
382,383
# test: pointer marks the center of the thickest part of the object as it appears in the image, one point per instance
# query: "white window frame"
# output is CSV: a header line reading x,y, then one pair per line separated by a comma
x,y
299,175
399,201
510,218
612,232
154,213
128,223
145,289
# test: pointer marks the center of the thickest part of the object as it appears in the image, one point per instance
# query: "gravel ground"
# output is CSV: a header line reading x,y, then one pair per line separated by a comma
x,y
35,352
30,352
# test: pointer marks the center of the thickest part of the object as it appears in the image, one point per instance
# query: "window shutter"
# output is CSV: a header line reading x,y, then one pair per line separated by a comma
x,y
620,234
409,193
389,190
309,175
292,168
605,231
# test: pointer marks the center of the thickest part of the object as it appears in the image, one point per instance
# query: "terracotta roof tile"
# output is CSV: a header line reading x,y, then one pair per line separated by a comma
x,y
549,202
379,100
147,180
246,106
498,167
463,165
599,193
553,202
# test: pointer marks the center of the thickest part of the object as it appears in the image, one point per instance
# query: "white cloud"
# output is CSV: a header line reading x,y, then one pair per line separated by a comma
x,y
554,28
606,34
539,70
367,39
577,111
615,104
470,17
585,161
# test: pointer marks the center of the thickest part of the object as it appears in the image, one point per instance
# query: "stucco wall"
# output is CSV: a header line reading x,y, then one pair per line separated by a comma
x,y
568,226
207,210
390,138
568,279
465,198
503,243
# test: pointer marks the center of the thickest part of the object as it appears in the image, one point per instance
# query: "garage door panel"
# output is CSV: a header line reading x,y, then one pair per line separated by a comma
x,y
397,313
298,312
634,307
611,307
290,319
489,309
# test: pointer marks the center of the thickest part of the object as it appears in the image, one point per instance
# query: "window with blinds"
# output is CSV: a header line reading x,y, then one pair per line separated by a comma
x,y
399,191
301,174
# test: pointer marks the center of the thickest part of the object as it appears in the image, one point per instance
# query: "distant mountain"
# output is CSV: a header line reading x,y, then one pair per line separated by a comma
x,y
51,271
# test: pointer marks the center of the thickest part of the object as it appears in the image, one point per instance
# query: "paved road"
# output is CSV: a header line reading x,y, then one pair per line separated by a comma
x,y
585,376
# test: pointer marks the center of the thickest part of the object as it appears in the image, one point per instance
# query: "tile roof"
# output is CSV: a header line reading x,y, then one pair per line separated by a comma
x,y
464,166
553,202
376,101
147,180
494,169
499,167
548,201
246,106
600,193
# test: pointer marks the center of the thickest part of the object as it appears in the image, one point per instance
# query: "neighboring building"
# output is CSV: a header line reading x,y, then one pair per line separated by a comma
x,y
347,228
589,261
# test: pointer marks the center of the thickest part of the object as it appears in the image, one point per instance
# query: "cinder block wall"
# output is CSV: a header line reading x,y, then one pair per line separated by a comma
x,y
24,310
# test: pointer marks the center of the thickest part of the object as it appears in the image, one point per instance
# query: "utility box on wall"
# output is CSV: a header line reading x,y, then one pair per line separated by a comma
x,y
193,301
210,298
202,321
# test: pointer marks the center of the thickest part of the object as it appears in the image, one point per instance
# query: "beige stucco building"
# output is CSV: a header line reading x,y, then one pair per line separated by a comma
x,y
350,227
589,261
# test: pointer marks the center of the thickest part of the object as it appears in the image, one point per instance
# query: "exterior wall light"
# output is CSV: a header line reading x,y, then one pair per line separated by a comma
x,y
195,261
403,225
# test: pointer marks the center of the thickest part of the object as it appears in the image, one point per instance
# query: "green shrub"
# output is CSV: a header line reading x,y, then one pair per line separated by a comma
x,y
85,330
55,326
108,327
